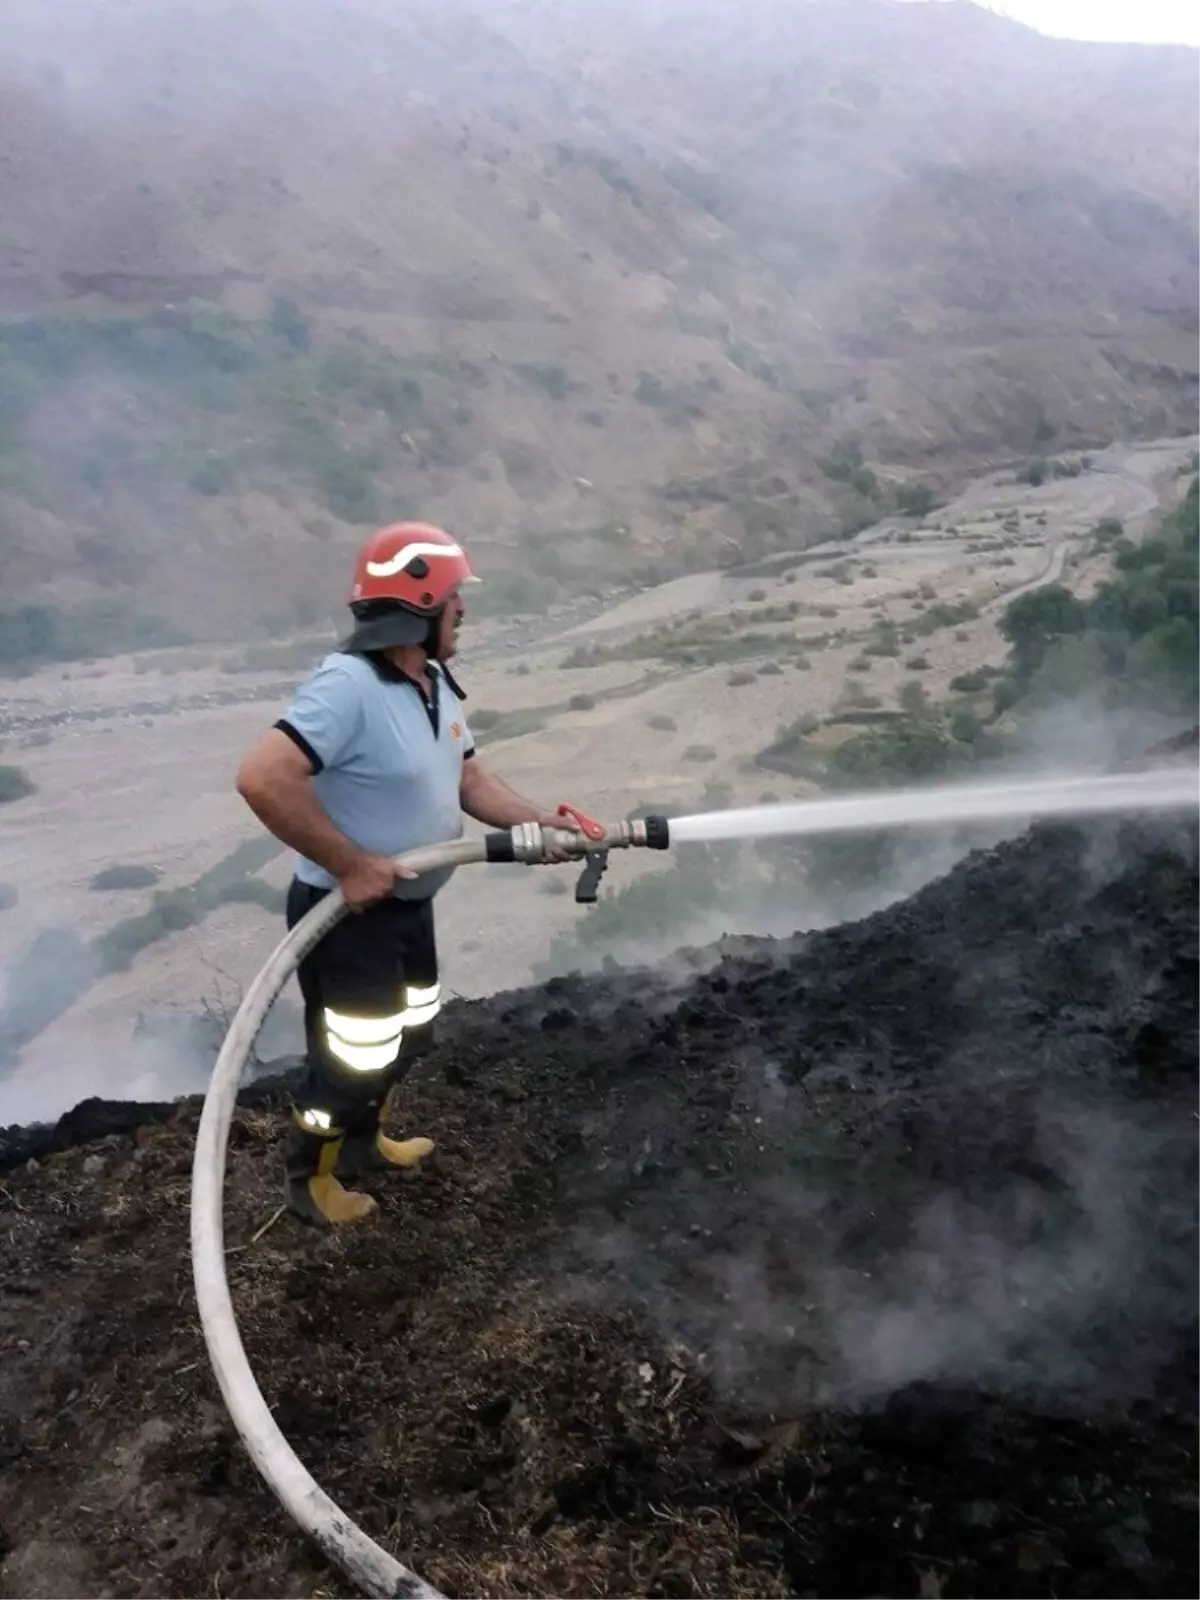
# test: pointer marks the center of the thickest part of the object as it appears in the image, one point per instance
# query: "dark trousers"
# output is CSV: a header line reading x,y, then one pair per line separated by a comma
x,y
370,990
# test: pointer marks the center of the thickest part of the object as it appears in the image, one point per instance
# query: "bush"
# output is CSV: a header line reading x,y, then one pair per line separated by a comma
x,y
917,663
969,682
550,378
661,723
8,896
15,784
1005,695
946,615
255,892
913,698
483,719
769,669
739,680
214,475
699,752
125,876
914,500
582,702
844,462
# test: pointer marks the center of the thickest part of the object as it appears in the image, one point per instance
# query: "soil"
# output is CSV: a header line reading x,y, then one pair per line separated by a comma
x,y
856,1264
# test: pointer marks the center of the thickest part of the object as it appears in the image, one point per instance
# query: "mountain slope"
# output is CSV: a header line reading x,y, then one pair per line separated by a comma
x,y
628,272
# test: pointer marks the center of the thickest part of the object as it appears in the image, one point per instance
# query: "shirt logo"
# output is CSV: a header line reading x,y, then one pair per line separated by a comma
x,y
456,730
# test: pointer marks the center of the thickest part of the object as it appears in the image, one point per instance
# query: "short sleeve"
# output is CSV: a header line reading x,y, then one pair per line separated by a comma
x,y
468,738
325,714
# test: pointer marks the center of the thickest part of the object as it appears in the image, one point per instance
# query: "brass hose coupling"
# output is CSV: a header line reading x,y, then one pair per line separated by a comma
x,y
535,844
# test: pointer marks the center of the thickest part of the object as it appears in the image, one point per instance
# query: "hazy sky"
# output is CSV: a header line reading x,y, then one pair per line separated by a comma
x,y
1143,21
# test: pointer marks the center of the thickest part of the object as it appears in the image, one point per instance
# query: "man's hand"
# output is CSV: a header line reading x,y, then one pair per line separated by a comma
x,y
567,824
369,879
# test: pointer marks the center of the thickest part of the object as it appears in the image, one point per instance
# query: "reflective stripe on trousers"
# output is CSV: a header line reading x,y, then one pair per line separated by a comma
x,y
371,1044
316,1121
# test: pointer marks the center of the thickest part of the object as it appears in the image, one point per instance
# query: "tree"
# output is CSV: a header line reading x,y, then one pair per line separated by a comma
x,y
1032,621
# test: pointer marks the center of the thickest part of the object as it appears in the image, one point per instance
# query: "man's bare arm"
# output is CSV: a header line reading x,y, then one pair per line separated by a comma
x,y
489,799
274,781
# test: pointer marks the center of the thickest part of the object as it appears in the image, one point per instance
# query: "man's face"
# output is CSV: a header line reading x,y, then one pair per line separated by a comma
x,y
451,622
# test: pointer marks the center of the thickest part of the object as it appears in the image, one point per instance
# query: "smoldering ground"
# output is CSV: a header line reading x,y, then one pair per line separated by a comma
x,y
960,1156
624,1324
1066,1287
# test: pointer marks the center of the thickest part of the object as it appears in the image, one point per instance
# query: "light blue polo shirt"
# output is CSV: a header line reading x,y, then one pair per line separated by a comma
x,y
388,765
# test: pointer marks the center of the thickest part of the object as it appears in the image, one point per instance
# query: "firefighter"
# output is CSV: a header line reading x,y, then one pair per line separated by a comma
x,y
373,758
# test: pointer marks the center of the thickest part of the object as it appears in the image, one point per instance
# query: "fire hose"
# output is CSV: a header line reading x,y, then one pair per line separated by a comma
x,y
370,1567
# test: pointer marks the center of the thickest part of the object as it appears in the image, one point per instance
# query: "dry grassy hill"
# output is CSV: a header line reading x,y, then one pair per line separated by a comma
x,y
629,274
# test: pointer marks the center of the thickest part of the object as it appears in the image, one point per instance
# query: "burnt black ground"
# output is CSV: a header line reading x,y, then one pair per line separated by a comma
x,y
852,1265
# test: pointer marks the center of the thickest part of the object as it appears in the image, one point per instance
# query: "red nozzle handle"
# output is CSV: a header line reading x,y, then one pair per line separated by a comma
x,y
591,829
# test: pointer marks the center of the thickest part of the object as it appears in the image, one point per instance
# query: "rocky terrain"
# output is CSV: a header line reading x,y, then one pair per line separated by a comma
x,y
859,1263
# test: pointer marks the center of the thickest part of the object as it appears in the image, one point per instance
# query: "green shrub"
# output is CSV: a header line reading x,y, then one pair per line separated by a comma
x,y
699,752
649,390
214,475
915,500
582,702
15,784
969,682
550,378
661,723
125,876
484,718
945,615
913,698
917,663
739,679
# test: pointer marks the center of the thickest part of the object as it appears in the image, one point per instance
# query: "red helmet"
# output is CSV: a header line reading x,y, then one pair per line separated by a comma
x,y
403,579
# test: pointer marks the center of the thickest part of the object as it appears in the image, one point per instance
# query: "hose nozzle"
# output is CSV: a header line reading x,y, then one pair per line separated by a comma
x,y
533,843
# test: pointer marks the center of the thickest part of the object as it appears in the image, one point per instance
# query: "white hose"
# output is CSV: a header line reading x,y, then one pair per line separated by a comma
x,y
365,1563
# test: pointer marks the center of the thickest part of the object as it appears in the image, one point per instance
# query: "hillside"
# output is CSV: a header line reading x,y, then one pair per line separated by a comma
x,y
853,1264
620,288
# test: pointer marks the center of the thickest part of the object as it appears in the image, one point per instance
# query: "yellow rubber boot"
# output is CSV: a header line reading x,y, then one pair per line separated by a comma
x,y
314,1193
368,1149
402,1152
